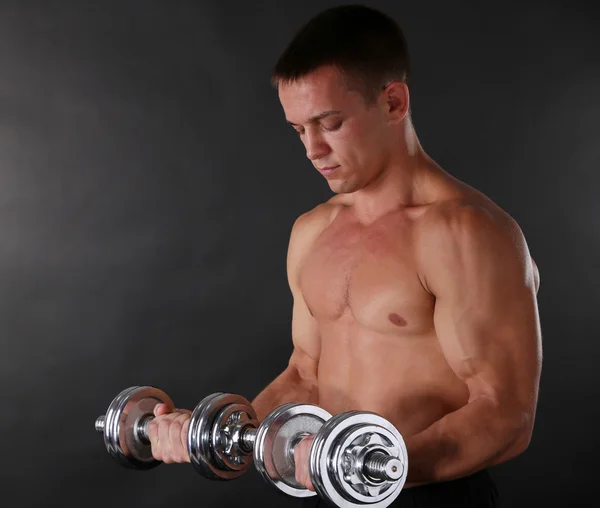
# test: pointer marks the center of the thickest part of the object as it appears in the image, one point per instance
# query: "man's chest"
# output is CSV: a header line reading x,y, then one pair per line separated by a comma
x,y
370,273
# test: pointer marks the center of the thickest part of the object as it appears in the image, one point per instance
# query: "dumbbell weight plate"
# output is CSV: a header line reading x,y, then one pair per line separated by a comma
x,y
329,462
276,437
125,412
211,446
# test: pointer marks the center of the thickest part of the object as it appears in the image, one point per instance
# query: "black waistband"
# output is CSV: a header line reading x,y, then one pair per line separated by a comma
x,y
477,490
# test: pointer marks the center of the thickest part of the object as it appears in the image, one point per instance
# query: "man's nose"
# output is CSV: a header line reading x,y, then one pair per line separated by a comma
x,y
315,146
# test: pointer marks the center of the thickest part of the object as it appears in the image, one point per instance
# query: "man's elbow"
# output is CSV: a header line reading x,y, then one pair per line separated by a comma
x,y
518,433
525,431
521,443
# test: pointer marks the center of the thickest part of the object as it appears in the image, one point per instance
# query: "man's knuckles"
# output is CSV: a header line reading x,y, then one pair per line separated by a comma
x,y
168,437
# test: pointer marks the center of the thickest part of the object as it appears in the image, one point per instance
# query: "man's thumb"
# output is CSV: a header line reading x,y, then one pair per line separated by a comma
x,y
160,409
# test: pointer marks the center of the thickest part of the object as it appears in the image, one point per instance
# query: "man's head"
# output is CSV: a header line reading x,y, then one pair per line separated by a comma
x,y
354,60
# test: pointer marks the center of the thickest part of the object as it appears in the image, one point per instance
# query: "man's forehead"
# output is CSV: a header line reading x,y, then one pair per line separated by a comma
x,y
311,99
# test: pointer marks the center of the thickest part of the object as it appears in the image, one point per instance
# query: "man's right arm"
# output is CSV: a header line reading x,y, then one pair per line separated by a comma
x,y
298,382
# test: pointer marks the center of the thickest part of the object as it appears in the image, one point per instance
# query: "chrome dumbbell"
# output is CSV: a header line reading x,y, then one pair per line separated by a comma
x,y
125,430
357,458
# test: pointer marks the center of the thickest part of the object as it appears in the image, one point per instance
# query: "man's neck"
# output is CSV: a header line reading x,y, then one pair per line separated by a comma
x,y
401,184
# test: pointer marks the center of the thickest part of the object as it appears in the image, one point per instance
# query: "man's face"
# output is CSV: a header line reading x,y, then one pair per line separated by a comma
x,y
352,137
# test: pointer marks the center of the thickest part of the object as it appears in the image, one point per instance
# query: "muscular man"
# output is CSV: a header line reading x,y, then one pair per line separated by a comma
x,y
414,295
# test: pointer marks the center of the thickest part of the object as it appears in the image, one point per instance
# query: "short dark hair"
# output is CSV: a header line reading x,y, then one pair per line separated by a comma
x,y
367,47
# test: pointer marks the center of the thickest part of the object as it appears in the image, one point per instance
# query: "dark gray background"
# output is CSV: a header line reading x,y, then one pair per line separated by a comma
x,y
148,184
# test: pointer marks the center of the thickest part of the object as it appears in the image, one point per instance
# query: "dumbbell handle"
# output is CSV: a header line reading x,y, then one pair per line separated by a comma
x,y
376,465
140,431
247,435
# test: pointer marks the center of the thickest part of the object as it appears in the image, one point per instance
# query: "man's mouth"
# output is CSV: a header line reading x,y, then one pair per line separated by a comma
x,y
328,170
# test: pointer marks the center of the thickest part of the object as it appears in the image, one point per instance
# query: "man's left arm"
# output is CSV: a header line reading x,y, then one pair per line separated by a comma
x,y
484,282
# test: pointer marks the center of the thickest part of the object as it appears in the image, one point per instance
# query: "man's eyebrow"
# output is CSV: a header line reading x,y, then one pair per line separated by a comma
x,y
320,116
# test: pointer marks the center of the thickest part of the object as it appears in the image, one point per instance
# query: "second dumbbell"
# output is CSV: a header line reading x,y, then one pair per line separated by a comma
x,y
211,450
357,458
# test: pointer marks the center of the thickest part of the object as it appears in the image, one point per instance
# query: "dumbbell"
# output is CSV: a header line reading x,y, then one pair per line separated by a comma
x,y
125,430
357,458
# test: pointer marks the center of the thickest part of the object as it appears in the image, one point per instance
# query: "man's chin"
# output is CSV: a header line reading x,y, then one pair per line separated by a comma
x,y
341,187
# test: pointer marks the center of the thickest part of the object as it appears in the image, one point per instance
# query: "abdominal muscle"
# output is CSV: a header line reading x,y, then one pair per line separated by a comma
x,y
403,378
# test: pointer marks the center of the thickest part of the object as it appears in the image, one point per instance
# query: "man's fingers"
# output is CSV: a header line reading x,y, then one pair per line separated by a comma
x,y
177,443
301,459
168,434
183,436
164,425
161,409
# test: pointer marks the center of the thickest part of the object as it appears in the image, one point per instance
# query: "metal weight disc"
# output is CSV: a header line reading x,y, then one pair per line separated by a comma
x,y
214,426
123,415
276,437
337,456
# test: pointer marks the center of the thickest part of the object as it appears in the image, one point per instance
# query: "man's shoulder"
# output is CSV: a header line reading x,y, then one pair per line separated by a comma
x,y
314,221
466,214
306,229
466,229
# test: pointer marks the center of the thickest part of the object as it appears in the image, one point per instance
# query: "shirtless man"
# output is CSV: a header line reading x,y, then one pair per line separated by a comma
x,y
414,295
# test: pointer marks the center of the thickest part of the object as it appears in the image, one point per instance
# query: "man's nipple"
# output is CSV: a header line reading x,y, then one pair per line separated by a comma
x,y
397,320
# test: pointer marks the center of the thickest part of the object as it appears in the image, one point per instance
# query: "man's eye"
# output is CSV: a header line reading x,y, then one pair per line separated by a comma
x,y
333,127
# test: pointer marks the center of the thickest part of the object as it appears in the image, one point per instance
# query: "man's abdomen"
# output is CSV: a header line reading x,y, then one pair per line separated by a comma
x,y
405,379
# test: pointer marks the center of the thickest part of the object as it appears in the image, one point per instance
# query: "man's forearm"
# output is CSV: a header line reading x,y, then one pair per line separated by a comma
x,y
289,386
474,437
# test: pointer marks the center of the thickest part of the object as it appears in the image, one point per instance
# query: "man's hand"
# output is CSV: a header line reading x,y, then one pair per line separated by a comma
x,y
301,459
168,434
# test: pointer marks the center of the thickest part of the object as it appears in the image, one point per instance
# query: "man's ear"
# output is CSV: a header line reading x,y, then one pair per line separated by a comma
x,y
396,101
